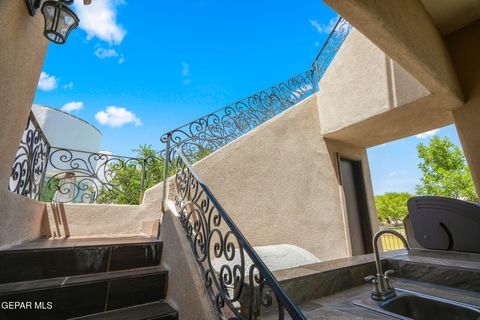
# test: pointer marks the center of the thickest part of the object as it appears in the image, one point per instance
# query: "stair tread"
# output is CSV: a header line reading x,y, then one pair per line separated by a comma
x,y
23,286
153,310
45,244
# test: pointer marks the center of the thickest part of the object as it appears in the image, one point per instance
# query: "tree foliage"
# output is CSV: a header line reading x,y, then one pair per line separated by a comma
x,y
444,169
392,206
127,179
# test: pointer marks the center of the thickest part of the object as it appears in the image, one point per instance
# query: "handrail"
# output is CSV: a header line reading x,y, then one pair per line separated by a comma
x,y
228,123
220,252
88,177
330,48
29,167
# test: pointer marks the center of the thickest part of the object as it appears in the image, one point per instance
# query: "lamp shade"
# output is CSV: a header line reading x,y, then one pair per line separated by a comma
x,y
59,21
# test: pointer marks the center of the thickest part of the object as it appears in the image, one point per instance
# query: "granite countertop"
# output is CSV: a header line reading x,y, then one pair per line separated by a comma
x,y
340,306
325,290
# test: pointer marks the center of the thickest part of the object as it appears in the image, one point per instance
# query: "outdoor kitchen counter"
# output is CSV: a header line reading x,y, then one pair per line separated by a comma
x,y
340,306
326,290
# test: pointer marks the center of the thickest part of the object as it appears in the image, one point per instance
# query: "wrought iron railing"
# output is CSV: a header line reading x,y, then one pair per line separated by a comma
x,y
330,48
220,127
30,162
90,177
238,282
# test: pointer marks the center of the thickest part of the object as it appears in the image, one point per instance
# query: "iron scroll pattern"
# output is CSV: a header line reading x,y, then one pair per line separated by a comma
x,y
238,283
30,163
330,48
88,177
216,129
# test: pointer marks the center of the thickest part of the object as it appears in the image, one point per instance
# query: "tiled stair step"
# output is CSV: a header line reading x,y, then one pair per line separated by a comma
x,y
45,258
148,311
85,294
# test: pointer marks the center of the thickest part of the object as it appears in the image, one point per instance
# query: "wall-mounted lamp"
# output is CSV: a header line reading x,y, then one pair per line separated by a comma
x,y
59,19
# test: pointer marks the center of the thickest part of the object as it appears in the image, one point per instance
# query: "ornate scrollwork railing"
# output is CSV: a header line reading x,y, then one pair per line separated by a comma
x,y
330,48
239,284
30,163
216,129
87,177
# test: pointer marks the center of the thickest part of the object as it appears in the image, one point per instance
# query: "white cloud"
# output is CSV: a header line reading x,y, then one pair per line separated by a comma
x,y
47,82
324,28
72,106
427,134
116,117
100,20
102,53
186,73
68,86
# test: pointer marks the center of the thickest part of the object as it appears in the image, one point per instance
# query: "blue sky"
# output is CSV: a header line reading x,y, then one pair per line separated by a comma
x,y
394,165
137,69
170,62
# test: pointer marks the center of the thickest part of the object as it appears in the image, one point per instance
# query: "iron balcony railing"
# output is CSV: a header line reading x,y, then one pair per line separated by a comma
x,y
90,177
30,163
238,282
215,130
48,173
329,50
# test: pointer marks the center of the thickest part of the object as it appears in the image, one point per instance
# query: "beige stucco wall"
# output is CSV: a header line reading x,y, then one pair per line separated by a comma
x,y
464,47
186,291
362,82
278,183
23,49
405,31
80,220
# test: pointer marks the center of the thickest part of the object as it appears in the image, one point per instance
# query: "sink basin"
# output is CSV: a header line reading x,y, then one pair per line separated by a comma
x,y
419,307
413,305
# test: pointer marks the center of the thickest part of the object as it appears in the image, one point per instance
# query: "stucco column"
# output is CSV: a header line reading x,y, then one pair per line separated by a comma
x,y
467,121
23,49
465,52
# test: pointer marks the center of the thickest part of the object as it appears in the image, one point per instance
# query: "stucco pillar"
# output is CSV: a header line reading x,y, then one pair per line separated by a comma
x,y
22,51
465,51
467,122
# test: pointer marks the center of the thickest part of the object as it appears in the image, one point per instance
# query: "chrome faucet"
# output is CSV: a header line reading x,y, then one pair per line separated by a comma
x,y
382,287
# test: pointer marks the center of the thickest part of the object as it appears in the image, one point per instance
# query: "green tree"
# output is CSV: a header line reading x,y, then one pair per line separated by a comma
x,y
444,169
392,206
126,177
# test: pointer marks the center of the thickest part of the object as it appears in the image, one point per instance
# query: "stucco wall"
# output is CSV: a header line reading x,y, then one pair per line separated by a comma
x,y
279,185
363,82
80,220
464,47
23,49
405,31
186,291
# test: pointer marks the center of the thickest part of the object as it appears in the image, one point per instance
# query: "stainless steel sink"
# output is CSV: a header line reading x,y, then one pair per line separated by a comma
x,y
413,305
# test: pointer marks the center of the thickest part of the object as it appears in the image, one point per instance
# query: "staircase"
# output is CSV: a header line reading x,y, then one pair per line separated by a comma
x,y
89,278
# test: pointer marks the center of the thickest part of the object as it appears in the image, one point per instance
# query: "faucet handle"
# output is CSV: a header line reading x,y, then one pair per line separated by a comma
x,y
374,280
370,279
386,276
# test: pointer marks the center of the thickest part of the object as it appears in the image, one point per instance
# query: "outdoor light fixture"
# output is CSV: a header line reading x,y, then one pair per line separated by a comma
x,y
59,19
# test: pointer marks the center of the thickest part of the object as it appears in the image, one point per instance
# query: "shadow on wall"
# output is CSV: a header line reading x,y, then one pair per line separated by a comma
x,y
60,228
